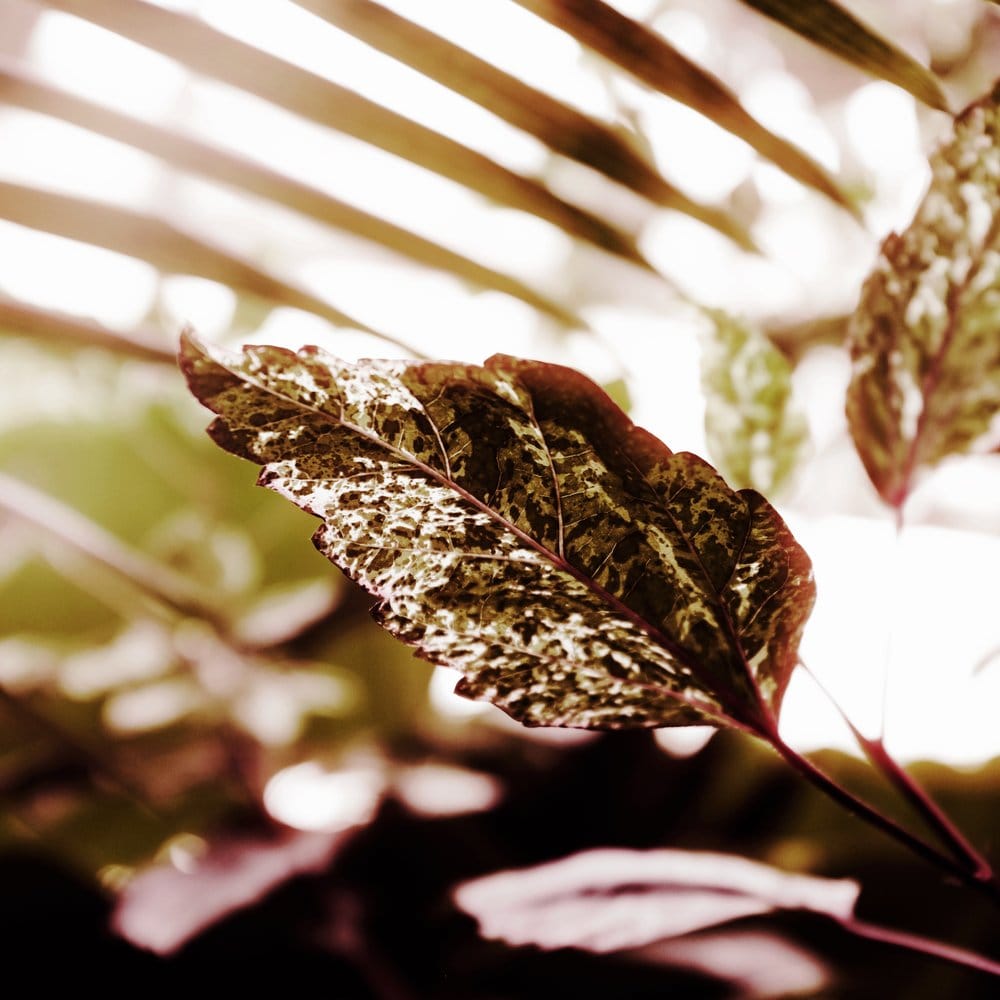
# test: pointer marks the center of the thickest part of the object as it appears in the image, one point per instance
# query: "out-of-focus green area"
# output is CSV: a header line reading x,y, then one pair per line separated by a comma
x,y
177,718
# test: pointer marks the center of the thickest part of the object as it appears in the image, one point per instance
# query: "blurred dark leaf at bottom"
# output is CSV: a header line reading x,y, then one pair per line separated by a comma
x,y
379,922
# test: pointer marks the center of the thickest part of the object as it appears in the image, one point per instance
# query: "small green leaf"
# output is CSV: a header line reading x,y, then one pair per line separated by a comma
x,y
756,435
838,31
517,526
924,343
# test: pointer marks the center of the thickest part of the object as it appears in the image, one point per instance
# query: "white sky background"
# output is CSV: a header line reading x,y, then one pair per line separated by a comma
x,y
925,603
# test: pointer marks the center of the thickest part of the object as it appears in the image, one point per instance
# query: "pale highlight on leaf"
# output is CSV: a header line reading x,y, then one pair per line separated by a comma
x,y
612,899
924,339
516,525
756,434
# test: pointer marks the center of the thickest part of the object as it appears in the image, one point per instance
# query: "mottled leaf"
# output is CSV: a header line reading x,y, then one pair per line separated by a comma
x,y
649,57
610,899
201,48
516,525
838,31
924,338
756,435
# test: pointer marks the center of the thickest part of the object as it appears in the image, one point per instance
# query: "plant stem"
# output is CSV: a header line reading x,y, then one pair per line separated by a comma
x,y
932,813
935,817
921,945
873,817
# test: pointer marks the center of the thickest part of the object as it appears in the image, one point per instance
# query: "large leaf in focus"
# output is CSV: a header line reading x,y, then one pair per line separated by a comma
x,y
755,435
924,339
649,57
517,526
609,899
828,24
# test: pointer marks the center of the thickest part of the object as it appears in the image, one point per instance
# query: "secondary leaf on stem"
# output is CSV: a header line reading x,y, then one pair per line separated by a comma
x,y
924,344
755,434
516,525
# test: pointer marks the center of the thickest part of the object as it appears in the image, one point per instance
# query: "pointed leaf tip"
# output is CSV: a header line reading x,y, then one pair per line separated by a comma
x,y
514,524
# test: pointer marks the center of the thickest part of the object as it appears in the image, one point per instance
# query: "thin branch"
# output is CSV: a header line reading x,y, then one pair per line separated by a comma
x,y
849,801
97,762
921,945
935,817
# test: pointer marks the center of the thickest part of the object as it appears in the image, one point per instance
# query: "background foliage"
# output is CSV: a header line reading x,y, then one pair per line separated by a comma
x,y
682,200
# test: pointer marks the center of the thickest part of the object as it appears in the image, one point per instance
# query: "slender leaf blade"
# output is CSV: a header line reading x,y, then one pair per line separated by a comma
x,y
650,58
204,50
756,435
516,525
164,245
560,126
838,31
25,89
22,318
926,356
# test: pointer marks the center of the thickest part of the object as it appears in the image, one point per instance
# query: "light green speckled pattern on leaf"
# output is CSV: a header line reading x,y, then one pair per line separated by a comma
x,y
756,434
515,525
925,339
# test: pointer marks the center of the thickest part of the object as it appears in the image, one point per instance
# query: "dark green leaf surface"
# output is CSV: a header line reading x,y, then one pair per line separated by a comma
x,y
202,49
516,525
924,338
560,126
838,31
649,57
756,436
